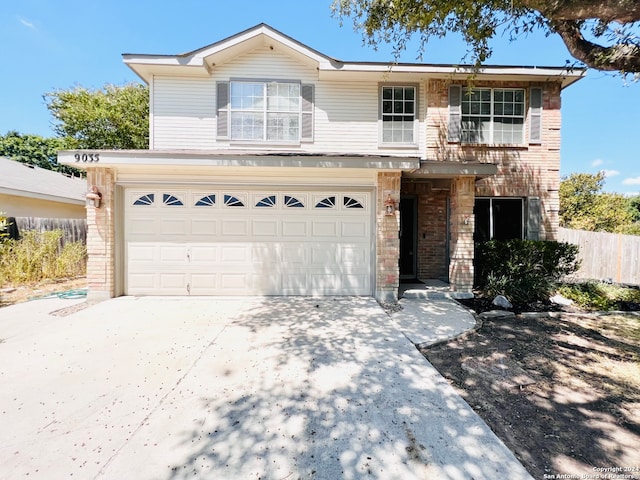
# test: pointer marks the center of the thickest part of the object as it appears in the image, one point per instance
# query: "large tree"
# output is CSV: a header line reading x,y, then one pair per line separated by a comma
x,y
584,206
602,34
36,150
113,117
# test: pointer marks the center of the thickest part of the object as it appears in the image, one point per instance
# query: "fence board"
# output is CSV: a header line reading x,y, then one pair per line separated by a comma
x,y
74,229
605,256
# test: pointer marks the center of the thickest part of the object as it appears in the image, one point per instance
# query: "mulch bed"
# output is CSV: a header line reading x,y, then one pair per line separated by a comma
x,y
562,391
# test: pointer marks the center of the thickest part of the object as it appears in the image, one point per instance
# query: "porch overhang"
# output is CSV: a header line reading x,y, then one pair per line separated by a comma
x,y
84,159
446,170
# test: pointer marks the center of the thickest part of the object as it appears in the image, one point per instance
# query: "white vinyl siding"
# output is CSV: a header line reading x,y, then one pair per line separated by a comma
x,y
344,117
183,113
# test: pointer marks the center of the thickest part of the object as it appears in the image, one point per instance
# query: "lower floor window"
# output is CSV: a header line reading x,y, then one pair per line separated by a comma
x,y
498,219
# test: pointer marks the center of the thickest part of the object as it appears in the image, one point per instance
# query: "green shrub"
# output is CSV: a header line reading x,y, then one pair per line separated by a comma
x,y
599,296
523,270
39,256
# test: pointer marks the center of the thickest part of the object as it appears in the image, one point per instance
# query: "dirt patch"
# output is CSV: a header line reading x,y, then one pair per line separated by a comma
x,y
562,391
23,293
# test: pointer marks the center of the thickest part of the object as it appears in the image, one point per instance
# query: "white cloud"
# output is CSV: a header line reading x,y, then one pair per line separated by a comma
x,y
611,173
631,181
27,23
597,163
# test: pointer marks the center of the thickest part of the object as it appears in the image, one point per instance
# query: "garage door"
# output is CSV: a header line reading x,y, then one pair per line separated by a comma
x,y
204,241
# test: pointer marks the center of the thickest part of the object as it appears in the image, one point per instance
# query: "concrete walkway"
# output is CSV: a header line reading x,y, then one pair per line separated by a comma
x,y
426,322
270,388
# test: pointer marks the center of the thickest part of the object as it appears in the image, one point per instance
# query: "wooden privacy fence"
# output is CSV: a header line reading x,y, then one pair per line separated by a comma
x,y
74,229
605,256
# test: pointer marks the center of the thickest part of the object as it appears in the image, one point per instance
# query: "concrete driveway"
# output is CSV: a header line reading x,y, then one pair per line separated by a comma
x,y
255,388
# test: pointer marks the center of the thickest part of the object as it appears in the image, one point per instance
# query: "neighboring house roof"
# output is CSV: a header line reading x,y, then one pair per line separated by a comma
x,y
203,61
23,180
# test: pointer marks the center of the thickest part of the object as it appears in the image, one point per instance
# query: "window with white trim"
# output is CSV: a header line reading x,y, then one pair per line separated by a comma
x,y
498,218
398,109
265,111
492,116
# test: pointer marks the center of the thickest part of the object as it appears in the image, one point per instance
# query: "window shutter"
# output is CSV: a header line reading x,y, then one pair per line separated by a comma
x,y
535,115
222,103
455,112
533,218
306,131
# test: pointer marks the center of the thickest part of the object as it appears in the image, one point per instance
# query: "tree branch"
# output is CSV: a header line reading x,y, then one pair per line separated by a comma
x,y
624,57
621,11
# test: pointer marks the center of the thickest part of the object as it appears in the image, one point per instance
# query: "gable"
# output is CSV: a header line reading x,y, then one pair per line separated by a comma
x,y
204,61
266,63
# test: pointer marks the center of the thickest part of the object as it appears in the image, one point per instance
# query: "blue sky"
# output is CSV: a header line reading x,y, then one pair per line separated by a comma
x,y
46,45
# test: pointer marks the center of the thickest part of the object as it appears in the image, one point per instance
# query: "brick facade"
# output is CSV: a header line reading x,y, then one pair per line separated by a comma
x,y
101,237
388,241
461,226
530,170
445,219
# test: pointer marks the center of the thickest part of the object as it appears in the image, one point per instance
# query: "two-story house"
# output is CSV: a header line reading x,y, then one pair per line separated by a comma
x,y
274,169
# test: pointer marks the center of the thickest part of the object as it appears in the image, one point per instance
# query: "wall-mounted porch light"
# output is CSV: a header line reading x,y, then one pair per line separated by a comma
x,y
94,197
389,206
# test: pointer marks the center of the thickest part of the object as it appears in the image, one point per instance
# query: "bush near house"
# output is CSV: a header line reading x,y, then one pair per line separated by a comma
x,y
602,296
38,256
524,271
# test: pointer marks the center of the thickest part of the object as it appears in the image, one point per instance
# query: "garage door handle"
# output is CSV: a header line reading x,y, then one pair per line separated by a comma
x,y
189,256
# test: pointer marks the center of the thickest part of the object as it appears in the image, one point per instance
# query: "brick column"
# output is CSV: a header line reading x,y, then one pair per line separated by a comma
x,y
101,237
388,238
461,234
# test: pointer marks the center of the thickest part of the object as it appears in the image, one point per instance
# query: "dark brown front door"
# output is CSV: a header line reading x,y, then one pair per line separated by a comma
x,y
408,240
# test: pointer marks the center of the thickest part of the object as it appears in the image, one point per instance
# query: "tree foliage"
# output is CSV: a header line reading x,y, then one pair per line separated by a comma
x,y
113,117
583,206
36,150
602,34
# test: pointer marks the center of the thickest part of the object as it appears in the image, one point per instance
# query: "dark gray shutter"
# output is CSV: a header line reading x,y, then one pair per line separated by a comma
x,y
455,112
306,130
535,115
534,215
222,103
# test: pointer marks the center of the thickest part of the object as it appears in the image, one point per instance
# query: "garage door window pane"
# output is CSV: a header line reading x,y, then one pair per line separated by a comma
x,y
352,203
171,200
328,202
231,201
269,201
145,199
290,201
206,201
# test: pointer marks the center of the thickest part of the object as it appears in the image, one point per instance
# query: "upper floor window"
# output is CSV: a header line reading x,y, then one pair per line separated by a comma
x,y
262,111
265,111
398,114
494,116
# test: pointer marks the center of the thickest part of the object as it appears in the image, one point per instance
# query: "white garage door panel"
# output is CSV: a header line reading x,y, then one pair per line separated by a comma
x,y
243,242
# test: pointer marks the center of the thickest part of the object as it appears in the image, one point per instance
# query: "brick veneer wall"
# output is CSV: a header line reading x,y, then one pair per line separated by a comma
x,y
461,226
530,170
101,237
388,241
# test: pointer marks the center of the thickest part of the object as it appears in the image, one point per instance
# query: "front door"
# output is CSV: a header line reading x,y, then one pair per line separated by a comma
x,y
408,238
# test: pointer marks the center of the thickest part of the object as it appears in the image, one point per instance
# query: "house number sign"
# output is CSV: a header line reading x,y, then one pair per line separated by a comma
x,y
87,157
